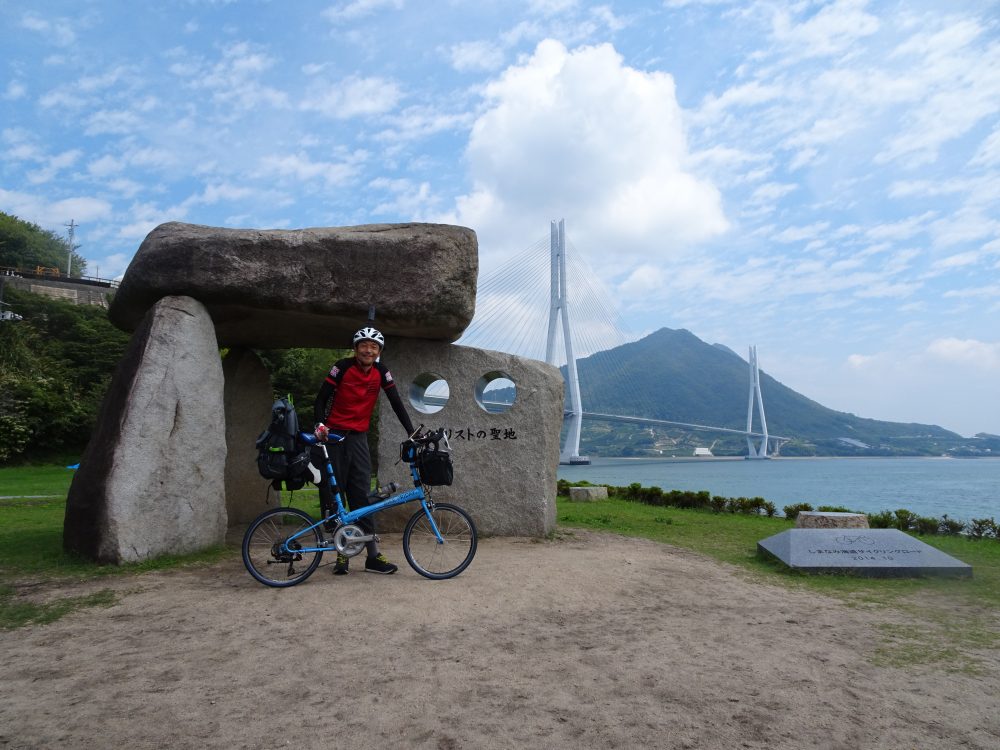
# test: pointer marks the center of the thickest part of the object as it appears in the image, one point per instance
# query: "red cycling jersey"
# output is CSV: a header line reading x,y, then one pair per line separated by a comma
x,y
354,393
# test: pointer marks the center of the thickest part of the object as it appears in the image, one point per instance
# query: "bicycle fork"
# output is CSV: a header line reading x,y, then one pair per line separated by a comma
x,y
428,506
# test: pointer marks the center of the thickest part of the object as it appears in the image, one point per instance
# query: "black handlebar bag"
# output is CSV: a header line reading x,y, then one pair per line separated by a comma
x,y
434,467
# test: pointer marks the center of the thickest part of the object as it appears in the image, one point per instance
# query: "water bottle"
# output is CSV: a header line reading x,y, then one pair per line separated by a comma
x,y
384,491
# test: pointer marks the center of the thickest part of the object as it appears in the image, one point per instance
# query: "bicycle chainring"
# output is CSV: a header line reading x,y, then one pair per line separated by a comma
x,y
343,539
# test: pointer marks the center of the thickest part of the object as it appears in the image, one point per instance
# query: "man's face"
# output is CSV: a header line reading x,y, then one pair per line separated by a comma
x,y
366,352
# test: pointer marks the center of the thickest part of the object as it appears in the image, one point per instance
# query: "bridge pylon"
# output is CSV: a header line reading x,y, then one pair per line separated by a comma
x,y
759,450
559,308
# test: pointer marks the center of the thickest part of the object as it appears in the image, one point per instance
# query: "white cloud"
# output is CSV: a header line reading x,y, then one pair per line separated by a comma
x,y
551,7
235,79
15,90
982,355
302,168
105,165
959,89
988,154
832,30
359,9
144,217
59,31
472,56
420,122
51,214
354,97
901,230
798,234
117,122
771,191
53,165
408,199
578,134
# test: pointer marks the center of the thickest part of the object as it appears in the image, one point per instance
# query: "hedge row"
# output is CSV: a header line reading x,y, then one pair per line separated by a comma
x,y
902,519
754,506
905,520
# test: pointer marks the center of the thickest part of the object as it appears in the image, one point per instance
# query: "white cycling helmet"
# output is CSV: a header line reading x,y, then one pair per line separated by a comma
x,y
370,334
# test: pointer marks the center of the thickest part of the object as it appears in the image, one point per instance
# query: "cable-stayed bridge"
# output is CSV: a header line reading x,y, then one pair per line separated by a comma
x,y
547,283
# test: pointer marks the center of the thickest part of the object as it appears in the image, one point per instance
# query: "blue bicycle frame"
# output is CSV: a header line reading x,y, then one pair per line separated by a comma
x,y
345,517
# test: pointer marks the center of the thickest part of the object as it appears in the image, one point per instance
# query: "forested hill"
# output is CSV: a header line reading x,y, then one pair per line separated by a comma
x,y
674,375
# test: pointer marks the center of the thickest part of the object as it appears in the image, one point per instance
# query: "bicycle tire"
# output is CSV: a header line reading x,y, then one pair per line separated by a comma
x,y
429,557
261,556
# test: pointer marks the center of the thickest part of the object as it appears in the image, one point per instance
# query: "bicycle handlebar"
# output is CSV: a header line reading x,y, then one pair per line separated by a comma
x,y
310,439
431,436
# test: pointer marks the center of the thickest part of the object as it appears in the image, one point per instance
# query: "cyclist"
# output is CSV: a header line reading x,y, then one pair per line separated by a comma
x,y
344,406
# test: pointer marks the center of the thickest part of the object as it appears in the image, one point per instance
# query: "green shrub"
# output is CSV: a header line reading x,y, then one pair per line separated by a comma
x,y
905,519
902,519
950,526
792,511
884,519
982,528
925,525
652,496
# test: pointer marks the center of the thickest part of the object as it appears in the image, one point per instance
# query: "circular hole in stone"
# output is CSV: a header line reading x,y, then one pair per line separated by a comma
x,y
495,392
429,393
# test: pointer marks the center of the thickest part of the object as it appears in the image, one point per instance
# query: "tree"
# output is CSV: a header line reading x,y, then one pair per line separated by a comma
x,y
300,372
55,366
28,246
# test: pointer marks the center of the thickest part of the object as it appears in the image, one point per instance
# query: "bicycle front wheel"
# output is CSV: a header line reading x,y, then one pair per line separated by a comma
x,y
432,558
267,556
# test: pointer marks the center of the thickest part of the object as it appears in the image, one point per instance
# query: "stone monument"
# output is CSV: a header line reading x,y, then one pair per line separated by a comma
x,y
873,553
171,462
151,481
505,462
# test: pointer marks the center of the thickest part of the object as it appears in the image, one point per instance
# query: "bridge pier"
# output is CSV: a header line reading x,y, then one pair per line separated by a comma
x,y
559,307
758,451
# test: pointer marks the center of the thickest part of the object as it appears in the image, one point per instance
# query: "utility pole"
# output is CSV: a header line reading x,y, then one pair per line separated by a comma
x,y
69,258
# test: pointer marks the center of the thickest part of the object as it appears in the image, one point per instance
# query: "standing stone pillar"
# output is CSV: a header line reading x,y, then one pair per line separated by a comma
x,y
505,462
247,399
151,481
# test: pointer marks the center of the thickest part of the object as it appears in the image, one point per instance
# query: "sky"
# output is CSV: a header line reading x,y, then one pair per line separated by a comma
x,y
818,178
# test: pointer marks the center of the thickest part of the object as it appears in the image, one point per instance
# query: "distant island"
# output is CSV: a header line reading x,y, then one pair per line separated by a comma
x,y
673,375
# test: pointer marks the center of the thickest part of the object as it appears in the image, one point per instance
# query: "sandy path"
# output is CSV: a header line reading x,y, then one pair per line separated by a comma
x,y
587,641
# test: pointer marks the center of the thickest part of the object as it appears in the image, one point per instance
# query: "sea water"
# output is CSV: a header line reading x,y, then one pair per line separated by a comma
x,y
961,488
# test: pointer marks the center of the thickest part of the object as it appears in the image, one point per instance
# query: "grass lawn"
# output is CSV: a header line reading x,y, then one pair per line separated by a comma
x,y
35,480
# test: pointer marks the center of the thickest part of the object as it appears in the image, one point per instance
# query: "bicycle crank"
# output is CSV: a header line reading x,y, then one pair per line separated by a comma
x,y
350,539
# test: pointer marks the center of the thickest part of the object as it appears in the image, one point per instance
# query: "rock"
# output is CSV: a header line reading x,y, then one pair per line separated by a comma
x,y
811,519
151,480
308,287
505,463
587,494
247,401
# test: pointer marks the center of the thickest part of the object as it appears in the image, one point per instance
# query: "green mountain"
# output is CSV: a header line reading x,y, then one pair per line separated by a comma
x,y
673,375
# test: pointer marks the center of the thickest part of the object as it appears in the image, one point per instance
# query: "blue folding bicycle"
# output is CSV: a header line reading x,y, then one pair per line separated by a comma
x,y
284,546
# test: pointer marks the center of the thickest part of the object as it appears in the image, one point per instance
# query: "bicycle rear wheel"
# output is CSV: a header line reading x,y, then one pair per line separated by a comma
x,y
266,557
429,557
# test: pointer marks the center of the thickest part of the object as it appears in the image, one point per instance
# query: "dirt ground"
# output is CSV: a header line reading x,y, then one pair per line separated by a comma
x,y
582,642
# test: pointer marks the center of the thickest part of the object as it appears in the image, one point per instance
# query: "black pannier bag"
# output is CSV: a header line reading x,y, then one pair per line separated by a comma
x,y
281,457
435,467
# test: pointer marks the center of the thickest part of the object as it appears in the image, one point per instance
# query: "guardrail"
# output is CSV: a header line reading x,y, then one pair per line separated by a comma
x,y
53,274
